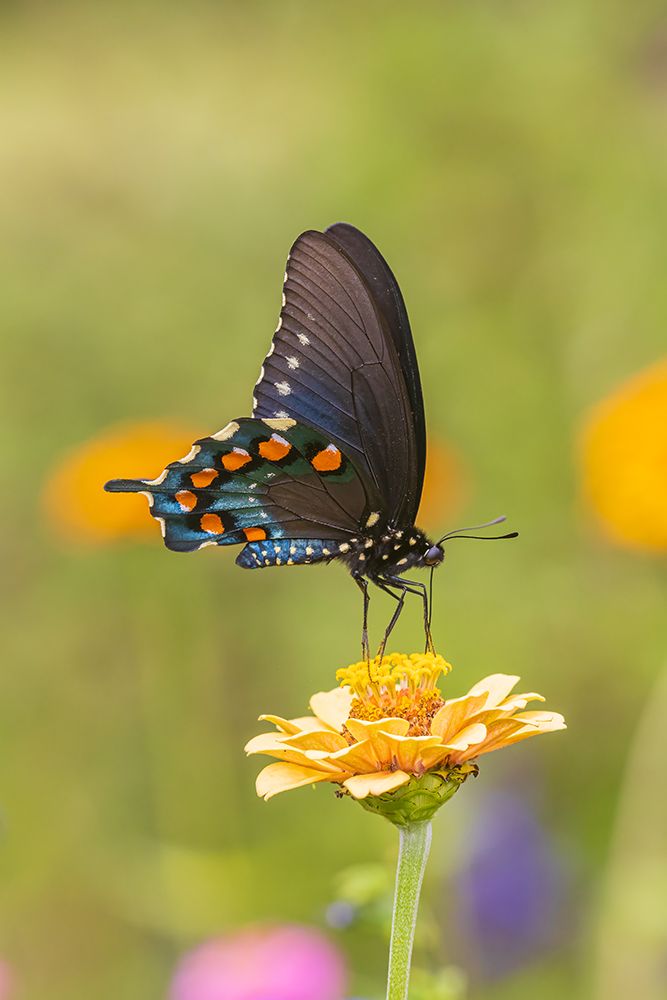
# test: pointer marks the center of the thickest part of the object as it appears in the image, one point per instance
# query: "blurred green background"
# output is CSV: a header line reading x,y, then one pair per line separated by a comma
x,y
156,162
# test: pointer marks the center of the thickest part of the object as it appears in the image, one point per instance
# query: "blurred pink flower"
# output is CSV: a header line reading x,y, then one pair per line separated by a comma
x,y
286,962
6,981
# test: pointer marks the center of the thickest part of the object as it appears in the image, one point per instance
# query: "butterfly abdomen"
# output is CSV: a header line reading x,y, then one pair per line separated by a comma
x,y
287,552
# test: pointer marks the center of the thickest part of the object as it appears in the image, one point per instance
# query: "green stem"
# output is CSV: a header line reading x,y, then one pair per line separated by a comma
x,y
415,844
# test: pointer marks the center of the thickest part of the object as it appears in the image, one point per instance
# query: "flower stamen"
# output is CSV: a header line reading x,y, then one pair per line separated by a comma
x,y
401,686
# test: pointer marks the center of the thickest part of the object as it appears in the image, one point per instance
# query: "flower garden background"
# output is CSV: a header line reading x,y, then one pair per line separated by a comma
x,y
156,162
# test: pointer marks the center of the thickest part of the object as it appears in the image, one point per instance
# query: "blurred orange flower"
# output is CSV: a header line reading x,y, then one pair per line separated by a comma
x,y
74,499
445,486
624,461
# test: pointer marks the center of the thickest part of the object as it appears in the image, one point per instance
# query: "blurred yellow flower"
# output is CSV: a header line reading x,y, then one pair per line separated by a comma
x,y
372,736
624,461
74,499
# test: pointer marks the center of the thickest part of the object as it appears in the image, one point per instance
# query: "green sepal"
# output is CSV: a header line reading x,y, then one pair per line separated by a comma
x,y
420,799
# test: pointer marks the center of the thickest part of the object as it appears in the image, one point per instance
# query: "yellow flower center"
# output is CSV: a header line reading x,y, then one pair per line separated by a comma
x,y
401,687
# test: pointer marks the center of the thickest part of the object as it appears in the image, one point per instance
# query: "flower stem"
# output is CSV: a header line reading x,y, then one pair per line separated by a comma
x,y
415,843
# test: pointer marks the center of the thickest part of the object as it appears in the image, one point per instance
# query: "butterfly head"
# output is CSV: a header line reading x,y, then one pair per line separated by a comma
x,y
434,555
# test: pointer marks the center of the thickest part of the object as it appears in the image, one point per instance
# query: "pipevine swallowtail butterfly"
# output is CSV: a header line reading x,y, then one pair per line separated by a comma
x,y
330,465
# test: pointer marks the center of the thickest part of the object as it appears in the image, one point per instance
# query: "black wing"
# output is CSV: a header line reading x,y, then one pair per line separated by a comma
x,y
389,299
335,365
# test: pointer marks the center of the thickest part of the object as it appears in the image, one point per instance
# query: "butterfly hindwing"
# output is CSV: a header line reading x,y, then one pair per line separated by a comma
x,y
335,366
257,480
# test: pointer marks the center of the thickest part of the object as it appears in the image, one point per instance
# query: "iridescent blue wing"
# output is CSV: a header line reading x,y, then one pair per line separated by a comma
x,y
258,481
342,361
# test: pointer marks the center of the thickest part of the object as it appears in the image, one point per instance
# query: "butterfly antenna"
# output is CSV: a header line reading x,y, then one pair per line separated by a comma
x,y
463,532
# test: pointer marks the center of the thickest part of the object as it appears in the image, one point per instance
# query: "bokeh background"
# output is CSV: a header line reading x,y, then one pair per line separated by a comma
x,y
156,161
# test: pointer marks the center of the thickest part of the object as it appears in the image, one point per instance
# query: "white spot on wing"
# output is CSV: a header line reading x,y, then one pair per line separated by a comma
x,y
293,362
279,424
284,388
226,433
204,544
280,323
309,550
373,519
344,547
303,339
401,562
271,349
281,415
261,375
196,448
156,482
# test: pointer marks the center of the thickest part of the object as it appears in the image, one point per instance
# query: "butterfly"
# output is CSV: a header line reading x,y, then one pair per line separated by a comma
x,y
330,466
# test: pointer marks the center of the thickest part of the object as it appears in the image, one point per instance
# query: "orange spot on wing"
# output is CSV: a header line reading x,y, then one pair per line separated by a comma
x,y
187,500
203,478
275,448
212,524
236,459
327,460
254,534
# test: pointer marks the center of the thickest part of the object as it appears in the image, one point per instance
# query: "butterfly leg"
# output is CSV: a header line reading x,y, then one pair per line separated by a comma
x,y
363,587
418,588
400,598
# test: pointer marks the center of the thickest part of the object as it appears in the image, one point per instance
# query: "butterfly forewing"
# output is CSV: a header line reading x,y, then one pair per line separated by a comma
x,y
334,365
389,300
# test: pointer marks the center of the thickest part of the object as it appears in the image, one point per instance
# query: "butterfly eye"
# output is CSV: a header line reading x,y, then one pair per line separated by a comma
x,y
434,556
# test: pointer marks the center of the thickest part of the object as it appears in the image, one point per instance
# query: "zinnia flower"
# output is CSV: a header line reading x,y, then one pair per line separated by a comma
x,y
624,461
387,727
74,499
287,962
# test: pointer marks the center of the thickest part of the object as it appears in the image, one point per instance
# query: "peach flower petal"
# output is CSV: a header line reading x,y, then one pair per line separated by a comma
x,y
325,740
496,686
307,723
362,785
361,729
282,777
455,713
332,707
